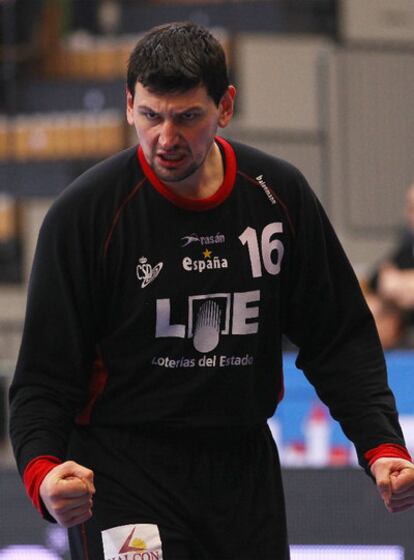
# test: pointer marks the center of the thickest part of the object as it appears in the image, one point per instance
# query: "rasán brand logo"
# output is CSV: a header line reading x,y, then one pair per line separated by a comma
x,y
202,239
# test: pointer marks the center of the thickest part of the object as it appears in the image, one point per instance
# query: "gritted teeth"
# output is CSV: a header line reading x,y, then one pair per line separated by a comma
x,y
171,157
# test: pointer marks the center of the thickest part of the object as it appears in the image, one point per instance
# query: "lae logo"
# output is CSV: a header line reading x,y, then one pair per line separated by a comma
x,y
209,317
147,273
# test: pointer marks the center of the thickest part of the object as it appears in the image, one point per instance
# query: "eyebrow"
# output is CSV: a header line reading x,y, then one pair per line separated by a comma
x,y
186,110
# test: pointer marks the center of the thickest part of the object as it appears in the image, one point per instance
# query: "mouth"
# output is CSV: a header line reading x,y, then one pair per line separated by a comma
x,y
170,160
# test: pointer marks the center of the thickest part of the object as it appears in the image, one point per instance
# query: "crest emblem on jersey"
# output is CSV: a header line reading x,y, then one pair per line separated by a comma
x,y
147,273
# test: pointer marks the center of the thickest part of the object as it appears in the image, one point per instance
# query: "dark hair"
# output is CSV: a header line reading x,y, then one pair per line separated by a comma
x,y
177,57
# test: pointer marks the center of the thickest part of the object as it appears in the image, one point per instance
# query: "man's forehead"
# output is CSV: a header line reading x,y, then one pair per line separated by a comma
x,y
195,96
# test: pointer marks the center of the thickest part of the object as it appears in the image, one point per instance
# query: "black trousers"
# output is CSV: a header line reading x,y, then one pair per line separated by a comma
x,y
181,494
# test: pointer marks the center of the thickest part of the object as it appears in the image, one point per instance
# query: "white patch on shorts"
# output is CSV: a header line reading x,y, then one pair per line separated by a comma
x,y
140,541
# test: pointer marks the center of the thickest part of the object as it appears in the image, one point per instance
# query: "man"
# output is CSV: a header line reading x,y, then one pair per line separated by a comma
x,y
390,290
395,278
151,358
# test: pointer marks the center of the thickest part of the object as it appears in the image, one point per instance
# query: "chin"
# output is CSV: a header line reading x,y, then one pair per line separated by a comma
x,y
175,177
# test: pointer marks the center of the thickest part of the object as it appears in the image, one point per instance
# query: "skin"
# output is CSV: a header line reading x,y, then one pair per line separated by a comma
x,y
395,482
67,492
176,132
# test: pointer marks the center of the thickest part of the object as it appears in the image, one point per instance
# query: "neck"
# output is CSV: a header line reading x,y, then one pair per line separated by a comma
x,y
205,181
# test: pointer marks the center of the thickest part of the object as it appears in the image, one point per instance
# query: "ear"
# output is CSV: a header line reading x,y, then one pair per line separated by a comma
x,y
226,107
129,107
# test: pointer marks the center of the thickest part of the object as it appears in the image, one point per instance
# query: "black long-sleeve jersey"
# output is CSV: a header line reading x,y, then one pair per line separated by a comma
x,y
145,307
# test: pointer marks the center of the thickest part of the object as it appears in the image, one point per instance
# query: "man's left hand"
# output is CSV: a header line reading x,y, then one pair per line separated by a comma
x,y
395,482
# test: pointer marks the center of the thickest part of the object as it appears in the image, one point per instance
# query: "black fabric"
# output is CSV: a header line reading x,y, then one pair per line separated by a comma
x,y
215,494
186,309
265,262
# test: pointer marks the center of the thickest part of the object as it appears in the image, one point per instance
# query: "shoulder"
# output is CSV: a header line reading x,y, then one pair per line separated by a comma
x,y
98,190
255,162
284,179
112,174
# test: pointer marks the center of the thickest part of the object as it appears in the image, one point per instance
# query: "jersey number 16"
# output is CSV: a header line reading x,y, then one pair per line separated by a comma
x,y
271,249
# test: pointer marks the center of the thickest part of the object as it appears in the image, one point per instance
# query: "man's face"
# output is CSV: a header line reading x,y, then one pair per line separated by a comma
x,y
176,130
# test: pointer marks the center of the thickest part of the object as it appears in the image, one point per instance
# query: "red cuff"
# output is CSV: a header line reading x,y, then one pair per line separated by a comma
x,y
387,450
33,477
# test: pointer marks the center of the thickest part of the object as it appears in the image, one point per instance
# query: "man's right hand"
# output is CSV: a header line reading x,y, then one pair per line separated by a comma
x,y
67,492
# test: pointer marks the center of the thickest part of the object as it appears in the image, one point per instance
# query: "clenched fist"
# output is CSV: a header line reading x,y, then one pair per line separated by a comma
x,y
67,492
395,483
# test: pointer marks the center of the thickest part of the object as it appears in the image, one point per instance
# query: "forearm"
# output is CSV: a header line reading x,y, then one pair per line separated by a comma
x,y
33,476
350,376
41,421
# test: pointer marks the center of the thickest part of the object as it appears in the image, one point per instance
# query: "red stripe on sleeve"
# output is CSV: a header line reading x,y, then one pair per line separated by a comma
x,y
387,450
97,386
34,475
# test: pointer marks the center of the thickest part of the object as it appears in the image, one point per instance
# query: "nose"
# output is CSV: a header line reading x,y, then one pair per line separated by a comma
x,y
168,137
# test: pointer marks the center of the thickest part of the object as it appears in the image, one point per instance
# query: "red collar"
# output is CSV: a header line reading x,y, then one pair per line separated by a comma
x,y
196,204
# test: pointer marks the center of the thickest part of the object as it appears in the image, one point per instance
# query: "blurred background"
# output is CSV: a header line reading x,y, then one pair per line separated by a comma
x,y
325,84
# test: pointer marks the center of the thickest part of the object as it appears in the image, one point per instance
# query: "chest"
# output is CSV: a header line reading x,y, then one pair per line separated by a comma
x,y
177,267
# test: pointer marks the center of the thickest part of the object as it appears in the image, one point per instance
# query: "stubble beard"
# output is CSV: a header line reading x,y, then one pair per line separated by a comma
x,y
174,175
177,175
